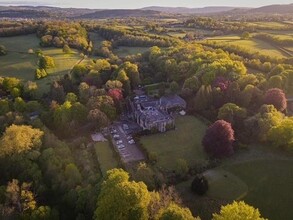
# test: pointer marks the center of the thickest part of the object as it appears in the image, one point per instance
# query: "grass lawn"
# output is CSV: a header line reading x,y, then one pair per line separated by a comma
x,y
125,51
183,142
269,184
105,156
23,65
252,44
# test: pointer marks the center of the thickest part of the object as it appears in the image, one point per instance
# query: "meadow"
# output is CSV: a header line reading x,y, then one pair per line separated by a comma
x,y
252,44
19,63
183,142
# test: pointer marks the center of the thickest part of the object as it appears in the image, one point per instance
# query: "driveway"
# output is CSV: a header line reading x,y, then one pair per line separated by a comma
x,y
130,152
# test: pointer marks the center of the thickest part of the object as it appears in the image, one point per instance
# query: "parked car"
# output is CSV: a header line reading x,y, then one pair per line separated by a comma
x,y
131,141
129,137
125,127
119,142
116,136
114,131
121,146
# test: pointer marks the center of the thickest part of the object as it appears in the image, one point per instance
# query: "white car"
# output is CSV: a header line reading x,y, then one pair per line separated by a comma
x,y
116,136
121,146
129,137
131,141
119,142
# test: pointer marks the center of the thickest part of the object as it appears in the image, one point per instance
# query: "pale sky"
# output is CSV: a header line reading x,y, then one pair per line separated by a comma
x,y
121,4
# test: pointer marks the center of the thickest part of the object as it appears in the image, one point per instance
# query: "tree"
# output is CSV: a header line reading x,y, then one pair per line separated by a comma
x,y
71,97
72,175
19,199
218,139
238,211
99,117
282,134
40,73
18,139
199,185
175,212
232,113
122,199
66,49
277,98
4,106
3,50
245,35
174,87
30,89
116,94
46,62
181,167
19,105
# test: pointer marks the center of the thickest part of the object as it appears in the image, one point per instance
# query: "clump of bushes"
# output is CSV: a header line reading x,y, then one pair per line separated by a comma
x,y
40,73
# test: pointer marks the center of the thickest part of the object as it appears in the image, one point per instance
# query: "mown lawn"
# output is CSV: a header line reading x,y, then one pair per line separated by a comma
x,y
105,156
183,142
270,184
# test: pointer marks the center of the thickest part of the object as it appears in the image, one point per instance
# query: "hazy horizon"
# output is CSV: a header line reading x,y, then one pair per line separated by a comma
x,y
131,4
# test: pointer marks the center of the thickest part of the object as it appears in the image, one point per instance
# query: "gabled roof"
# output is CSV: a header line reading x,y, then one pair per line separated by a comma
x,y
172,100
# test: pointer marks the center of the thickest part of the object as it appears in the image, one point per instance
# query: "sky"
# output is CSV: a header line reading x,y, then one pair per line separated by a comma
x,y
122,4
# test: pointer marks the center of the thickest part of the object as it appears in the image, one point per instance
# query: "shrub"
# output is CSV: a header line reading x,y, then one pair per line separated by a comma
x,y
199,185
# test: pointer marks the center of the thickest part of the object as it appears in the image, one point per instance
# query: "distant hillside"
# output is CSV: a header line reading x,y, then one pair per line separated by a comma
x,y
274,9
181,10
23,14
119,13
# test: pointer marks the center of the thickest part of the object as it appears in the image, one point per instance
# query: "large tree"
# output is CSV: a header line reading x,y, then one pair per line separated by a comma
x,y
238,211
18,139
175,212
218,139
122,199
277,98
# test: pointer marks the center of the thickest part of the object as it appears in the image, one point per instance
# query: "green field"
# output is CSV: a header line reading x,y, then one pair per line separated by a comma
x,y
183,142
269,184
261,179
252,44
125,51
18,63
105,156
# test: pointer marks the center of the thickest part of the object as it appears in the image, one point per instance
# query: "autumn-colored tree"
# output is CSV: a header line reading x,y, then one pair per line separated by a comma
x,y
232,113
277,98
18,139
99,117
116,94
175,212
282,134
238,211
122,199
218,139
46,62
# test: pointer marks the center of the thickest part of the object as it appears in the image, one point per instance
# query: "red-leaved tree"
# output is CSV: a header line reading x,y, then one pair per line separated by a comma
x,y
218,139
277,98
116,94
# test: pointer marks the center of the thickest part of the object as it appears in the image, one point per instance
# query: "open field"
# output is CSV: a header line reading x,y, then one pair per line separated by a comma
x,y
270,184
261,177
105,156
125,51
18,63
183,142
252,44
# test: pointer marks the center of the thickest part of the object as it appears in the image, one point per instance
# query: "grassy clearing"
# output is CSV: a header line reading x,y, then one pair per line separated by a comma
x,y
125,51
252,44
183,142
105,156
270,184
18,63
